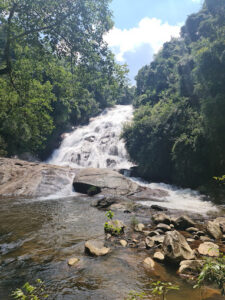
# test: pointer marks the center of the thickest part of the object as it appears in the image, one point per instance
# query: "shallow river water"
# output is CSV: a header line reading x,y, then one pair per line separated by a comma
x,y
38,237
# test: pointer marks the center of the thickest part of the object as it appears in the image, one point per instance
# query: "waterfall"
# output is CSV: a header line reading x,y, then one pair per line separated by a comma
x,y
97,144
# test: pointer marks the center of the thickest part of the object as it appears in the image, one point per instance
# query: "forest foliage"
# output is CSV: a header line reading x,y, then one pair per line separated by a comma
x,y
178,131
55,70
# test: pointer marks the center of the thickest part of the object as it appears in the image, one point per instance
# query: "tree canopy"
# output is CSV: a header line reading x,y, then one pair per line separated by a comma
x,y
177,134
55,70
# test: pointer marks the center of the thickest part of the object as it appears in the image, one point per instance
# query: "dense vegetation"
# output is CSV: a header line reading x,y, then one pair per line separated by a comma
x,y
55,70
178,131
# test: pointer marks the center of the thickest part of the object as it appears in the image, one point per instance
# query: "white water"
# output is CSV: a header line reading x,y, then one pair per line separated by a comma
x,y
98,144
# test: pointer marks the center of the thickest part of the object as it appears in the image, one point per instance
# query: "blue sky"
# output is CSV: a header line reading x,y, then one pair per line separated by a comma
x,y
142,26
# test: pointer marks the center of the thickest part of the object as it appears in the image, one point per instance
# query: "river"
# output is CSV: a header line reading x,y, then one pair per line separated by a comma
x,y
38,236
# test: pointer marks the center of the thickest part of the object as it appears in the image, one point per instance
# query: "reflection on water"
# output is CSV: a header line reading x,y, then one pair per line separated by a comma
x,y
37,238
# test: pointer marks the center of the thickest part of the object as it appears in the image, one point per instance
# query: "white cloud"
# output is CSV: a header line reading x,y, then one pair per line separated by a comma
x,y
152,32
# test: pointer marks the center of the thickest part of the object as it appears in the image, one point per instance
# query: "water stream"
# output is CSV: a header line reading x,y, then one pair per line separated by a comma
x,y
38,236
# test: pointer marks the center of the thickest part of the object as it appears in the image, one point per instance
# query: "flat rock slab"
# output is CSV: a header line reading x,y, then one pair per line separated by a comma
x,y
27,179
109,181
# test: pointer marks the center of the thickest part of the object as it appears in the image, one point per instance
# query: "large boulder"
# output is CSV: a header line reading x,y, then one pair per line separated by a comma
x,y
30,179
96,248
221,222
108,181
176,247
183,222
213,228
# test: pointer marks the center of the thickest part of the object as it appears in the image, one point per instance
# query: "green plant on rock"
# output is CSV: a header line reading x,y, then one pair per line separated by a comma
x,y
213,272
113,229
162,288
30,292
109,214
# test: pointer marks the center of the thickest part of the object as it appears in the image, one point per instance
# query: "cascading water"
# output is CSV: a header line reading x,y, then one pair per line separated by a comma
x,y
98,145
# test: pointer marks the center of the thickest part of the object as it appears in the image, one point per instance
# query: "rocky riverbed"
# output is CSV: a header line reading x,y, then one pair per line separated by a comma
x,y
62,240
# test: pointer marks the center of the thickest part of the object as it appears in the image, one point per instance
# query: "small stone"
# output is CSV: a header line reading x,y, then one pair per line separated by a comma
x,y
183,222
149,263
192,229
135,241
161,218
158,239
159,256
146,232
190,266
196,237
160,231
205,239
149,242
142,245
163,227
108,236
190,240
159,208
200,233
139,227
72,261
209,249
153,233
123,243
96,248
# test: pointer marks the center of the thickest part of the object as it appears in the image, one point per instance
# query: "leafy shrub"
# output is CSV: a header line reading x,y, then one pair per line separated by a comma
x,y
30,292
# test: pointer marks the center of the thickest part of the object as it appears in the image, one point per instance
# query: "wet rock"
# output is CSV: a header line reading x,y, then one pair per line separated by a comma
x,y
110,162
190,267
192,229
149,262
104,202
113,150
139,227
96,248
205,239
163,227
214,230
109,181
200,233
161,218
221,222
209,249
114,227
183,222
158,239
73,261
159,208
146,232
149,243
142,245
153,233
86,189
123,243
176,247
190,240
148,194
90,139
159,256
28,179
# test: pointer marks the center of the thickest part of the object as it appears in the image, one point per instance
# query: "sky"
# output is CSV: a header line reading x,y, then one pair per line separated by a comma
x,y
142,26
